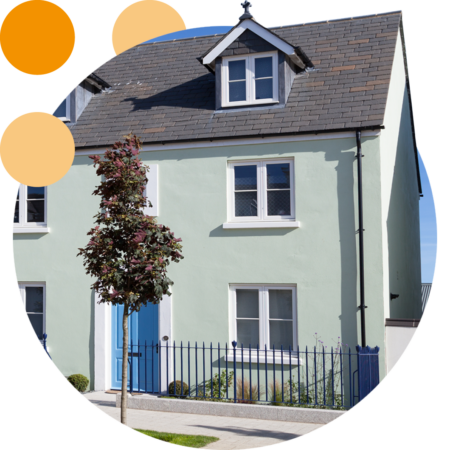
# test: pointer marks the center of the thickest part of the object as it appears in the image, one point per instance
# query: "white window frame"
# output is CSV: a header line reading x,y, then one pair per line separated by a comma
x,y
67,116
244,356
261,171
22,289
250,79
151,191
23,224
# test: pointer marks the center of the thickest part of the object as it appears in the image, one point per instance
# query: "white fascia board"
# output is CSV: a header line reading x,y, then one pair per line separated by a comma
x,y
270,37
223,142
257,29
216,51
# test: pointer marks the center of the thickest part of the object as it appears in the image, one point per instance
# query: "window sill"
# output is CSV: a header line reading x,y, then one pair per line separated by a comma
x,y
236,106
262,359
31,230
243,225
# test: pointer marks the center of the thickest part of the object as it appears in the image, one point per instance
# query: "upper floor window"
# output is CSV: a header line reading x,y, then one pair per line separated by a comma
x,y
261,190
250,79
63,110
31,207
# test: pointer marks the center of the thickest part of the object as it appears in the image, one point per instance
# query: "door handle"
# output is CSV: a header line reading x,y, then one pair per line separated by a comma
x,y
156,348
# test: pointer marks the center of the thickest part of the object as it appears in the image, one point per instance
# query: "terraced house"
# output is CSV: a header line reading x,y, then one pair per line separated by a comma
x,y
252,139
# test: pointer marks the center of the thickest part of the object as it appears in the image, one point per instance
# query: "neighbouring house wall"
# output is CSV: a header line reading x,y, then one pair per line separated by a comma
x,y
400,201
398,335
320,257
51,258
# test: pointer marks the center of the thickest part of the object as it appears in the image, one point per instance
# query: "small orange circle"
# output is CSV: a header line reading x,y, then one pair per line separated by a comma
x,y
143,21
37,37
37,149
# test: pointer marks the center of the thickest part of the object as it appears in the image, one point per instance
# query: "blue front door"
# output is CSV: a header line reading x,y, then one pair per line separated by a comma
x,y
143,357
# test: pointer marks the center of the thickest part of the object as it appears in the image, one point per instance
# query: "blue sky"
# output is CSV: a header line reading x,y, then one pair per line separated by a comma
x,y
428,230
428,233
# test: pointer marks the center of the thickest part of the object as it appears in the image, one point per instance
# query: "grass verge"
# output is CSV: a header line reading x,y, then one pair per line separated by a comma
x,y
180,439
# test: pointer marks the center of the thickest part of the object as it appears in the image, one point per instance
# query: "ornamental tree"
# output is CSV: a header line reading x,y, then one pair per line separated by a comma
x,y
128,251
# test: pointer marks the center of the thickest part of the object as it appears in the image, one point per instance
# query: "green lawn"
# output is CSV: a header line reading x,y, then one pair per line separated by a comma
x,y
180,439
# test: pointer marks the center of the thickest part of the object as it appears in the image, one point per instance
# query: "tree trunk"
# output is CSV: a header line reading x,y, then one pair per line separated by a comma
x,y
123,409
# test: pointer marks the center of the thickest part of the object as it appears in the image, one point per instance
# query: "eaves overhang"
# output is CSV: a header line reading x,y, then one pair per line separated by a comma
x,y
245,137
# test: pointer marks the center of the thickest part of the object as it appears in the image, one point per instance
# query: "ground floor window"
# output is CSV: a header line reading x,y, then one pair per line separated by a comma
x,y
263,315
33,297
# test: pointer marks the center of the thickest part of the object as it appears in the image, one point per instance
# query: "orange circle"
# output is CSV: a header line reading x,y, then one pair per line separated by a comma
x,y
37,37
37,149
143,21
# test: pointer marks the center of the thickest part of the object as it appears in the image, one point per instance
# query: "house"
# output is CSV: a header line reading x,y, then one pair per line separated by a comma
x,y
251,140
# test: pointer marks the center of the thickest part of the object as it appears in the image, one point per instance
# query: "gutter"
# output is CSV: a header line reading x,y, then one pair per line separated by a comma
x,y
245,136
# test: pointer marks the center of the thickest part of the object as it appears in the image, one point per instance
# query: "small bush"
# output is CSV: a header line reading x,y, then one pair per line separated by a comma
x,y
279,392
79,382
224,382
243,392
178,392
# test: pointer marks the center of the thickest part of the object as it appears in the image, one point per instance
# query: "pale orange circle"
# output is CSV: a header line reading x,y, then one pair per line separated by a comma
x,y
143,21
37,37
37,149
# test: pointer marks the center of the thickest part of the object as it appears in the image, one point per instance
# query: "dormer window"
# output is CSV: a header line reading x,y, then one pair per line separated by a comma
x,y
250,79
253,66
63,110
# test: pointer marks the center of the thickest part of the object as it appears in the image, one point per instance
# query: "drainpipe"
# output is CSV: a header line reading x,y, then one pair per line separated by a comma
x,y
362,306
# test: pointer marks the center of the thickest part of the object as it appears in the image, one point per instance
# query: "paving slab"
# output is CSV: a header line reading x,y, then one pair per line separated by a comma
x,y
233,432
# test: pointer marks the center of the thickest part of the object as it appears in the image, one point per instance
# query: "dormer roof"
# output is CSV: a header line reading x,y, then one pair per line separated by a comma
x,y
98,82
294,53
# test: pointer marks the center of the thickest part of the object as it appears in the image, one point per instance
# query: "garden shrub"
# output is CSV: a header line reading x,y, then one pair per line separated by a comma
x,y
79,382
246,393
178,392
214,385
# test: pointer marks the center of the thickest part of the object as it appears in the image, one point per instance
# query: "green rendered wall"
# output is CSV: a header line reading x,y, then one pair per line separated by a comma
x,y
320,257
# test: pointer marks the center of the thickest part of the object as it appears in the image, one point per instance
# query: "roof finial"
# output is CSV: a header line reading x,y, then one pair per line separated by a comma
x,y
246,14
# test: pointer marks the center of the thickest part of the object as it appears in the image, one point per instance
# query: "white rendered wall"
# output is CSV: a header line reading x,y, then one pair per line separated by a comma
x,y
400,201
397,339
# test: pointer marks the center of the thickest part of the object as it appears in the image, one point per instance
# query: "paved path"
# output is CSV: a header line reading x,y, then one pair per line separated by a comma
x,y
233,433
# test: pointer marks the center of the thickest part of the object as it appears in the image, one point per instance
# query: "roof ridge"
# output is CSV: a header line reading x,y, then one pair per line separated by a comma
x,y
281,27
336,20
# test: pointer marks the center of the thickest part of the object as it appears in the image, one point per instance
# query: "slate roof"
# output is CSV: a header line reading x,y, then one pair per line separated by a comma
x,y
162,93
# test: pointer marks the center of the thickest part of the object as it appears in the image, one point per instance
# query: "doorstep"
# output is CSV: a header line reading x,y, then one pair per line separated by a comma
x,y
264,412
116,391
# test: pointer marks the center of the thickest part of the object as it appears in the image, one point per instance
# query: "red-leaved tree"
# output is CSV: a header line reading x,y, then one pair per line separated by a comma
x,y
128,252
